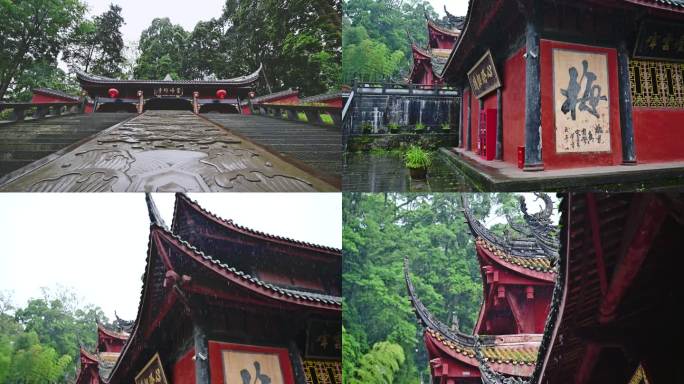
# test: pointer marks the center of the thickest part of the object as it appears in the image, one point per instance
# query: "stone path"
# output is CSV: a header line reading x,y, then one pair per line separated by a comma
x,y
166,151
317,146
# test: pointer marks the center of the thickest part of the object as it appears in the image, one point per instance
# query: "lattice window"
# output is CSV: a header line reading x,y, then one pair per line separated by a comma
x,y
656,84
323,372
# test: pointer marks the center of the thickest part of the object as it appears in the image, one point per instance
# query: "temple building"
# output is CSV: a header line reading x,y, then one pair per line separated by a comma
x,y
563,84
222,303
615,266
193,95
428,62
518,275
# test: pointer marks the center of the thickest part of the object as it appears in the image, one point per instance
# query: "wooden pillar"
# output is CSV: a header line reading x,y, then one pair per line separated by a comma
x,y
628,146
298,371
480,108
469,115
499,125
140,102
533,143
201,354
195,102
460,118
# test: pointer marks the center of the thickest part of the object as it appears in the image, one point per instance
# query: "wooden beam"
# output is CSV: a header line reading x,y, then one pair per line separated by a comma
x,y
592,216
652,214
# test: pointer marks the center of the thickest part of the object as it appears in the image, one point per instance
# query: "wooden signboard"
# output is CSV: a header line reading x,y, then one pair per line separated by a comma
x,y
639,376
249,364
483,77
153,373
581,101
168,91
660,40
324,340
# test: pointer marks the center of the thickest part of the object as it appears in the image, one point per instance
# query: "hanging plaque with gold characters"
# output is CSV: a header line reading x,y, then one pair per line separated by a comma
x,y
153,373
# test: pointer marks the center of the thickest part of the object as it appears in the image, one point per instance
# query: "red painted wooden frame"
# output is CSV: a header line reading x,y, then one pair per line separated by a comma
x,y
553,159
216,360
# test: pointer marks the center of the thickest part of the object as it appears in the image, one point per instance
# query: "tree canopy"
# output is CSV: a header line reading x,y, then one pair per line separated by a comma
x,y
32,32
297,42
39,343
379,231
376,40
96,45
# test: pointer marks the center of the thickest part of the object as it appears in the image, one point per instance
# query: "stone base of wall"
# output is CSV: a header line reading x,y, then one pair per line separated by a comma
x,y
391,141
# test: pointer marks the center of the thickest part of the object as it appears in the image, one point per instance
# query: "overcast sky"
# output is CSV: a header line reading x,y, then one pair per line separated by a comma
x,y
97,243
455,7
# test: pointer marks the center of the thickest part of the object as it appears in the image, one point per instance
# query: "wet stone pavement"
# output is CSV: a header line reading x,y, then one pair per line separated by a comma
x,y
372,172
166,151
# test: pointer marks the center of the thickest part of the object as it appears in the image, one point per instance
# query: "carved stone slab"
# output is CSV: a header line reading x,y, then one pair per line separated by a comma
x,y
167,151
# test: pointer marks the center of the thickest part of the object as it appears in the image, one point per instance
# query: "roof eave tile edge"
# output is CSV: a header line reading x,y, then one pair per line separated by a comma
x,y
253,280
231,224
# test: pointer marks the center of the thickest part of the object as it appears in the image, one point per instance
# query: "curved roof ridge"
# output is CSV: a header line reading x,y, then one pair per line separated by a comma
x,y
87,77
441,29
541,242
112,333
231,224
429,321
288,292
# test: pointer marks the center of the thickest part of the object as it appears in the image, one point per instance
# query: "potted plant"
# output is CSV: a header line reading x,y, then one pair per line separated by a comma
x,y
417,160
420,127
445,127
366,127
393,127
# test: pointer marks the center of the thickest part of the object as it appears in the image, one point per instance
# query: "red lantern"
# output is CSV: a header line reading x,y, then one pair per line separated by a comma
x,y
221,93
113,93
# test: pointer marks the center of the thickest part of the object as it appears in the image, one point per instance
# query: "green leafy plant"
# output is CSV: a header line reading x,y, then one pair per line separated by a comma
x,y
417,157
366,127
445,126
420,127
393,127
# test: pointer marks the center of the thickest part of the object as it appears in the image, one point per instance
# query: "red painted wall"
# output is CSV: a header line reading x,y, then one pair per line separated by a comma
x,y
658,134
474,118
490,103
464,123
42,99
513,105
184,369
336,102
551,159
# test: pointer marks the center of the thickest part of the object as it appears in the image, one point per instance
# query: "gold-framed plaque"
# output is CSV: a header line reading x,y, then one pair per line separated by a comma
x,y
152,373
483,77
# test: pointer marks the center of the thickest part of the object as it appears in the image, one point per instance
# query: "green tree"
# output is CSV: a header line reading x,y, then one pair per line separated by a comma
x,y
379,365
41,74
33,31
96,46
387,25
162,49
298,42
35,363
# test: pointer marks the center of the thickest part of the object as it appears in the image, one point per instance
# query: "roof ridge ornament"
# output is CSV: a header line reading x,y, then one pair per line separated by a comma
x,y
153,212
